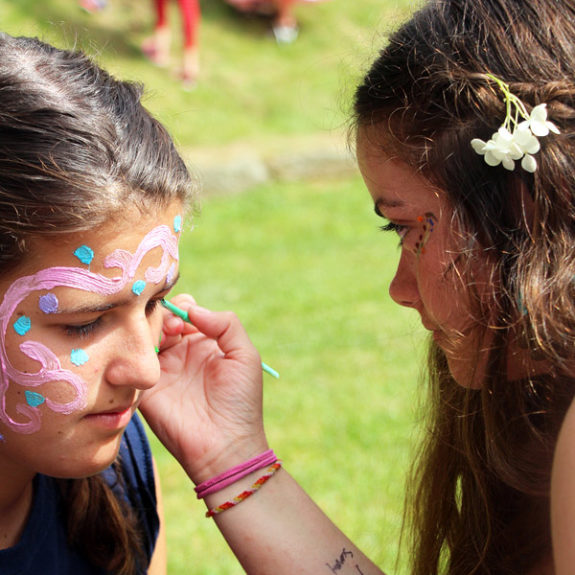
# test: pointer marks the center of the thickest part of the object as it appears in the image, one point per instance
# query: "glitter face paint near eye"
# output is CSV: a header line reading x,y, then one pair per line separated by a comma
x,y
427,225
51,369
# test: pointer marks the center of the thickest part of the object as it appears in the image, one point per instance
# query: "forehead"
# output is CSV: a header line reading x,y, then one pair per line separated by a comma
x,y
90,248
392,183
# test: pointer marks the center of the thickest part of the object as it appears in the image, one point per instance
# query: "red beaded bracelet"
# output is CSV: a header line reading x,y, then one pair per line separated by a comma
x,y
270,472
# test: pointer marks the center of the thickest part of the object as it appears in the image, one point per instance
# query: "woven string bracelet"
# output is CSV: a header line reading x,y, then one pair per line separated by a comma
x,y
235,474
270,472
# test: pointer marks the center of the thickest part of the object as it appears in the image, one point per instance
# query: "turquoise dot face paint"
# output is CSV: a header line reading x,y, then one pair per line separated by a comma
x,y
36,364
84,254
138,287
22,325
34,399
78,357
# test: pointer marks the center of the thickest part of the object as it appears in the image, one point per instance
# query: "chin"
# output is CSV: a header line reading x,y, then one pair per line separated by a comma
x,y
87,463
466,373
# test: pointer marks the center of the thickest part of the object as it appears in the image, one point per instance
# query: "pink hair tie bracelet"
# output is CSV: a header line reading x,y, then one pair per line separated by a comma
x,y
234,474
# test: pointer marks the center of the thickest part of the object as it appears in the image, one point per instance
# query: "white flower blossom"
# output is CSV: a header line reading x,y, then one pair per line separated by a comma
x,y
529,163
525,139
538,122
501,149
516,141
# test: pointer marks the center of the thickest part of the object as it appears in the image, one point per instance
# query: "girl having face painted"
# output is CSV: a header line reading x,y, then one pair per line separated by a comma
x,y
92,195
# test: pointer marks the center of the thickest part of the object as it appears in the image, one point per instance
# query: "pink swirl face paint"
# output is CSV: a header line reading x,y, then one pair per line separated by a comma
x,y
77,278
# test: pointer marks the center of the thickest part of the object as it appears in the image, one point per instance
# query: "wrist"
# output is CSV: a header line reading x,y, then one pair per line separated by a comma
x,y
242,489
217,463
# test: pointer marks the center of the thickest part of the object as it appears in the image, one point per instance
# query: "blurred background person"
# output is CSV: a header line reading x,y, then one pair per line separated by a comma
x,y
93,5
157,48
284,23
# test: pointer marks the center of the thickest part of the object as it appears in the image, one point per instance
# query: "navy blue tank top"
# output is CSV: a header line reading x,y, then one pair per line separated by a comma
x,y
43,548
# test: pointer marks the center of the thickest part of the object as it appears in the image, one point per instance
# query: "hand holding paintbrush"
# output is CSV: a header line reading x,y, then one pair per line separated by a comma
x,y
184,315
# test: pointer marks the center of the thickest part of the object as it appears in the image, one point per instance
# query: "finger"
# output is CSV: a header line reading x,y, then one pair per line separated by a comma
x,y
183,300
173,325
225,328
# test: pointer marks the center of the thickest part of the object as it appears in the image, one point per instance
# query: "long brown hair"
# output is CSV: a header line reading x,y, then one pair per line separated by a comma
x,y
76,147
481,483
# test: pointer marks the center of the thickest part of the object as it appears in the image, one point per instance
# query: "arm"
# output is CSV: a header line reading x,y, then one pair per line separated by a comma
x,y
563,497
280,530
207,410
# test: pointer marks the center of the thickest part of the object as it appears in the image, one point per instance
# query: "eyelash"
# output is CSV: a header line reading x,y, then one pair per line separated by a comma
x,y
86,329
399,229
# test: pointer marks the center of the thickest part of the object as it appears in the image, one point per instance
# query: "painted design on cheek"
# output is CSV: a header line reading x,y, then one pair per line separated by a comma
x,y
85,254
79,357
427,224
48,303
178,224
34,399
22,325
28,418
138,287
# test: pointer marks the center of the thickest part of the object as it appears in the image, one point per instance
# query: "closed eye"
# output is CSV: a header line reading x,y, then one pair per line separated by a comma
x,y
86,329
83,330
399,229
152,305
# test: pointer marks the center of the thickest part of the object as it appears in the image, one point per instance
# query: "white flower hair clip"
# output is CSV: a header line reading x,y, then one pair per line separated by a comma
x,y
515,139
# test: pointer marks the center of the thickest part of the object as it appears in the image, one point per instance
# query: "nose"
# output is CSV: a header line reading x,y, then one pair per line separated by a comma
x,y
403,288
135,361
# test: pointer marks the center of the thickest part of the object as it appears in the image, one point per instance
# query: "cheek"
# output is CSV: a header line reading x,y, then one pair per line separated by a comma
x,y
443,291
42,375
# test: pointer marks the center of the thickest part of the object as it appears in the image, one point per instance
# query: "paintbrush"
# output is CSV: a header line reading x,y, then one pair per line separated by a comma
x,y
184,315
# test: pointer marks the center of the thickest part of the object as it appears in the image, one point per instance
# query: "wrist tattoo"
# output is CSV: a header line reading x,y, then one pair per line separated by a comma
x,y
344,557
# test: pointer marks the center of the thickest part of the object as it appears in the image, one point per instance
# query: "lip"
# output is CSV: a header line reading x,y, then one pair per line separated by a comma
x,y
112,419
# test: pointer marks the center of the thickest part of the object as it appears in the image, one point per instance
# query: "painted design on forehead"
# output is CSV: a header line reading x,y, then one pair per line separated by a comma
x,y
85,254
50,370
427,225
22,325
138,287
171,273
48,303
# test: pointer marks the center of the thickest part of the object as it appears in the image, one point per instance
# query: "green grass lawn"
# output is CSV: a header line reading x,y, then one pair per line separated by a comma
x,y
250,88
302,264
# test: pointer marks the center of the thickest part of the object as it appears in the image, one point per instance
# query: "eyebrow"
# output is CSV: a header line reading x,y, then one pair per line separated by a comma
x,y
95,308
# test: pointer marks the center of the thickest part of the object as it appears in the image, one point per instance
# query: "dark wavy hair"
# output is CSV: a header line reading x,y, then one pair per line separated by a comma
x,y
76,148
481,484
